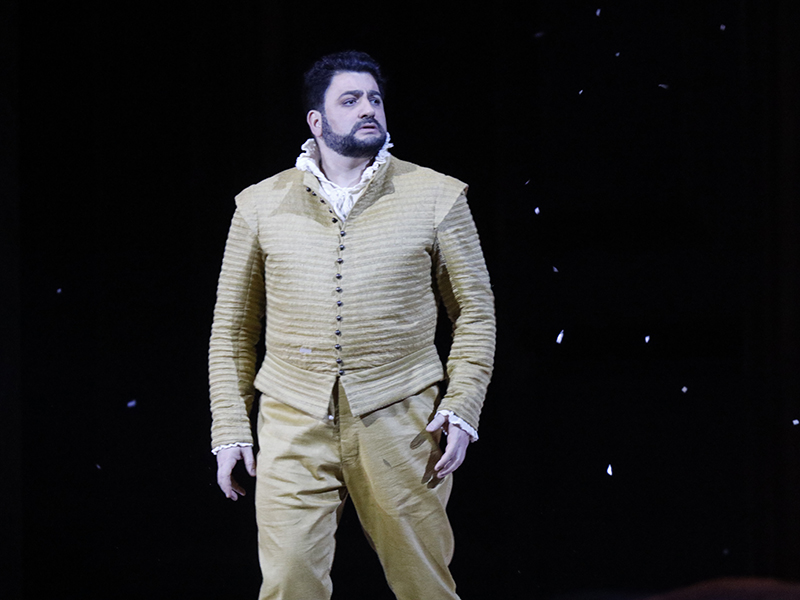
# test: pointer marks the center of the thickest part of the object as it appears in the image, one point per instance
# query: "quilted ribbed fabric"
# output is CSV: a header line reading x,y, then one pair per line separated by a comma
x,y
354,299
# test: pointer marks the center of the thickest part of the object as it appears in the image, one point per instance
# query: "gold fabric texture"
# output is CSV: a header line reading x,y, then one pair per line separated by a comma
x,y
362,291
384,461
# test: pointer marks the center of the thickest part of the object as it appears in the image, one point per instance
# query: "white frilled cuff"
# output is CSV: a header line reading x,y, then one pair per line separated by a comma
x,y
451,418
460,423
216,450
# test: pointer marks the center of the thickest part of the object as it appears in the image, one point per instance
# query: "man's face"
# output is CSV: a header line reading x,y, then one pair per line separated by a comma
x,y
353,123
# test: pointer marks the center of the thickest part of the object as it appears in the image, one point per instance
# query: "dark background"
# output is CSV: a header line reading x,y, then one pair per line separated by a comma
x,y
666,182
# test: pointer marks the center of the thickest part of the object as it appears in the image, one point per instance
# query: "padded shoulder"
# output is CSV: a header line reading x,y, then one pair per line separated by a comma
x,y
445,189
267,191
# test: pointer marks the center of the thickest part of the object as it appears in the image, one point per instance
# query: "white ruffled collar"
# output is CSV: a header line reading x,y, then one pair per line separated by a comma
x,y
309,161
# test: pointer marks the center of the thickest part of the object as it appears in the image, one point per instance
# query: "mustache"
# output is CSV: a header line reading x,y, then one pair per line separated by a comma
x,y
367,121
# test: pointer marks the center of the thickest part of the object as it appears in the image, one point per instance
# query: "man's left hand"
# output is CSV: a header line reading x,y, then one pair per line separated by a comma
x,y
456,448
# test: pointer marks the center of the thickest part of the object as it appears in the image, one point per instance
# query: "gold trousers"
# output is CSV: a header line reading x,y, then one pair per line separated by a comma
x,y
384,461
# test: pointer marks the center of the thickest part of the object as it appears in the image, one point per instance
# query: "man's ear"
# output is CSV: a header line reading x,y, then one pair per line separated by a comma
x,y
314,120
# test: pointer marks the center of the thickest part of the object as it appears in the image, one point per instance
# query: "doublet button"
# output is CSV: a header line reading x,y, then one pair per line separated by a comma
x,y
338,289
337,332
339,360
338,276
341,371
338,346
339,303
338,317
341,247
342,233
340,260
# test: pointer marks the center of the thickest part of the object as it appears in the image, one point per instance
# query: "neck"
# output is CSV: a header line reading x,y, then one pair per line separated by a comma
x,y
344,171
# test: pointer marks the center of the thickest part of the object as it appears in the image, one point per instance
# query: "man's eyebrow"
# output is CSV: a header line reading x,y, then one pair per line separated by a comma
x,y
359,93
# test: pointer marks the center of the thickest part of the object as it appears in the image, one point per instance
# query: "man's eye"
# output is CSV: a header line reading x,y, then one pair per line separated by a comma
x,y
376,101
349,102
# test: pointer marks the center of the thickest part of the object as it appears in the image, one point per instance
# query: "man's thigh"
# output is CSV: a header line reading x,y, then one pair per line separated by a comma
x,y
299,486
389,461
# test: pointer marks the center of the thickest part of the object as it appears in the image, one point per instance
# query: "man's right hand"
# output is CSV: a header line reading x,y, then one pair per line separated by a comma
x,y
226,460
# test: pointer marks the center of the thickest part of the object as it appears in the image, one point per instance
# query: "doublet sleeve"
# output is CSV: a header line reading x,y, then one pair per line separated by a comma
x,y
463,284
235,333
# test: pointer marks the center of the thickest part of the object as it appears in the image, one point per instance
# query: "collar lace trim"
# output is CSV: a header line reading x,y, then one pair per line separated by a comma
x,y
309,161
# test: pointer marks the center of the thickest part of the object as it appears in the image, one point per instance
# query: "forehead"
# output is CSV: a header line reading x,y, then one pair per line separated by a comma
x,y
349,81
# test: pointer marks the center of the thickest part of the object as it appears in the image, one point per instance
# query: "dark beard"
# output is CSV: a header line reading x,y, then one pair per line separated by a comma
x,y
348,145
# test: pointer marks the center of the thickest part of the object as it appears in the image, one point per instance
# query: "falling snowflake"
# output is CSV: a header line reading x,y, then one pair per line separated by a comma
x,y
722,27
560,337
598,12
536,210
647,339
132,403
555,270
609,471
684,389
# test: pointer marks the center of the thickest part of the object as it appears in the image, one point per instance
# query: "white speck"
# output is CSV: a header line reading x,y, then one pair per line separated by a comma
x,y
795,422
663,86
609,471
58,291
684,389
132,403
536,210
647,339
330,417
617,54
305,350
598,12
555,270
527,182
560,337
722,27
579,93
98,466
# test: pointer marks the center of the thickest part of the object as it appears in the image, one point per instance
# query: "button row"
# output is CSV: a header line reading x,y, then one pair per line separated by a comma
x,y
338,275
338,289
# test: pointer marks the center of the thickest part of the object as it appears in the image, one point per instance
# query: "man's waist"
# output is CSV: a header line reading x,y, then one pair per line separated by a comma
x,y
368,388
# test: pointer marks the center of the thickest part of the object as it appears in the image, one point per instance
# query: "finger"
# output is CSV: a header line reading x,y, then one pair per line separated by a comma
x,y
249,461
226,488
237,488
437,423
454,455
452,465
225,467
447,457
223,479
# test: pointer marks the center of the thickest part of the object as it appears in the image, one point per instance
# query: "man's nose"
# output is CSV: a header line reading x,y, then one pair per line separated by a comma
x,y
366,109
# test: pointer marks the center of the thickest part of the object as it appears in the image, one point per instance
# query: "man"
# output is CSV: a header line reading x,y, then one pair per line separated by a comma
x,y
348,255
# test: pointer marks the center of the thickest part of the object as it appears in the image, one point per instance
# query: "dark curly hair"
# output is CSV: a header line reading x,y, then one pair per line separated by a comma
x,y
318,78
